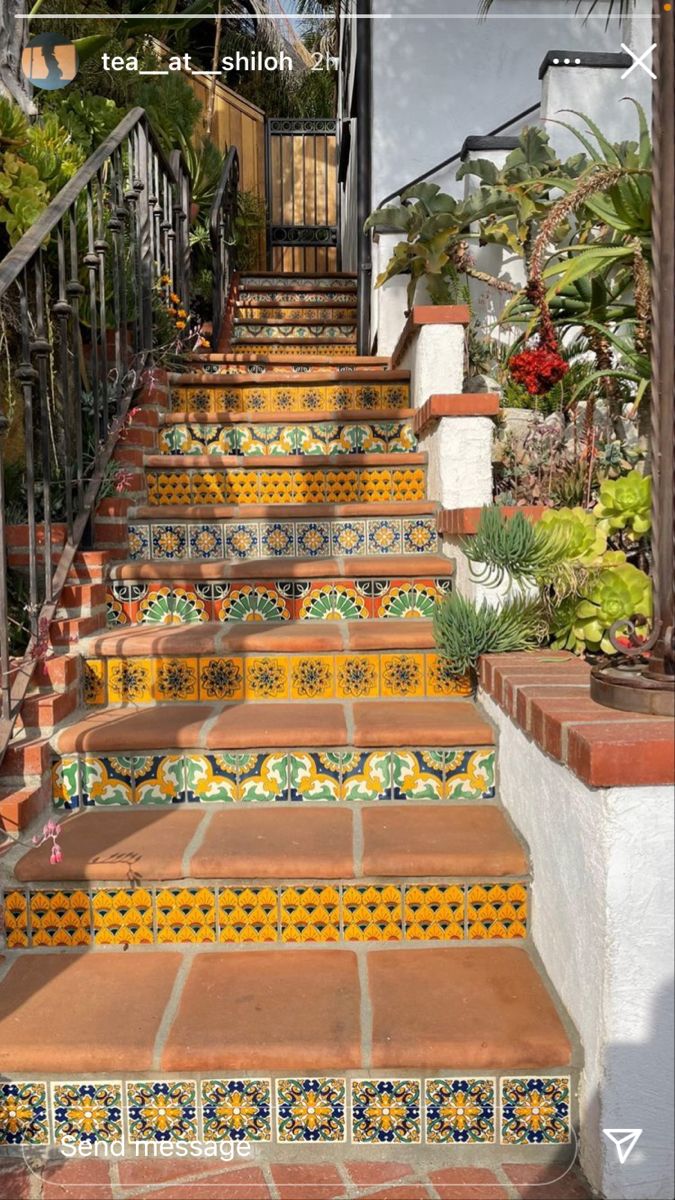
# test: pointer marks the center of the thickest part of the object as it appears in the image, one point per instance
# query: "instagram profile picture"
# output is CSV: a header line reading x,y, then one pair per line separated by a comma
x,y
49,61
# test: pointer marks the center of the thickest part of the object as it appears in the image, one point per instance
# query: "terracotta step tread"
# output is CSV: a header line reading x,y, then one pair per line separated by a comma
x,y
385,566
315,322
282,842
282,462
244,726
338,416
257,637
477,1008
244,512
304,379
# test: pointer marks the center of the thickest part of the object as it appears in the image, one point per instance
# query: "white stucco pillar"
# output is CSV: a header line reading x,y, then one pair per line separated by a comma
x,y
577,84
389,302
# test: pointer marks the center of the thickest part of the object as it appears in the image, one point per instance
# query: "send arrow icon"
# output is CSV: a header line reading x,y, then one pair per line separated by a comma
x,y
625,1141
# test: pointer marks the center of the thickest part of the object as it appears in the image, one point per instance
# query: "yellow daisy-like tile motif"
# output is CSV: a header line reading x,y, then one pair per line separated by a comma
x,y
402,674
441,681
312,678
122,917
266,678
357,675
497,910
310,914
221,678
93,681
433,913
372,914
176,679
248,914
130,680
186,915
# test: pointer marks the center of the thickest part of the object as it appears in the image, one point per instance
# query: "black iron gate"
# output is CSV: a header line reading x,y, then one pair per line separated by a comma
x,y
302,203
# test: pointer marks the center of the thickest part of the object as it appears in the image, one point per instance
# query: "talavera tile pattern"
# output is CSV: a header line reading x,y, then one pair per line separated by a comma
x,y
89,780
348,599
294,396
325,437
377,1110
350,676
236,914
247,540
286,485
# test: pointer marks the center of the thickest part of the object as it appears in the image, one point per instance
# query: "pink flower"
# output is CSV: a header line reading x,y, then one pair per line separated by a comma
x,y
55,856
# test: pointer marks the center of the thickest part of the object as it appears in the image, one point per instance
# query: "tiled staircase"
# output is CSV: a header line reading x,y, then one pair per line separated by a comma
x,y
284,805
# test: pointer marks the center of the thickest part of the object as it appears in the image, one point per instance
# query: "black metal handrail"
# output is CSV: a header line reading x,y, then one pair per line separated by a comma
x,y
447,162
77,292
222,234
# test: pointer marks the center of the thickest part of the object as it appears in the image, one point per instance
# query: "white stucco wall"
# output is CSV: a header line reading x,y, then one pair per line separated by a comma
x,y
435,82
602,921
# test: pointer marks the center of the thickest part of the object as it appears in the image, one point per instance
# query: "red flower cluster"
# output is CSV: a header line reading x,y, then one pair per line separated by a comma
x,y
538,370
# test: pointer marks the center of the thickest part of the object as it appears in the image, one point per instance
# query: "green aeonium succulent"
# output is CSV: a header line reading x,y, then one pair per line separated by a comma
x,y
616,592
585,541
625,503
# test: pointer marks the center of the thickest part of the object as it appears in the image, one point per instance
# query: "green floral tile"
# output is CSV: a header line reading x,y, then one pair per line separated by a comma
x,y
469,775
107,780
263,777
417,775
66,782
368,776
159,779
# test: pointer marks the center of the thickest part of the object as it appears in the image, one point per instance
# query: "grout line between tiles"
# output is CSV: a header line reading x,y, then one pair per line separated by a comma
x,y
196,841
170,1011
365,1012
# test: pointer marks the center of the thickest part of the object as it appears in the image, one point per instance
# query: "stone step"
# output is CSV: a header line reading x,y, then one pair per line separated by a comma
x,y
307,307
226,362
447,844
286,393
229,1043
178,593
269,281
279,436
287,479
258,532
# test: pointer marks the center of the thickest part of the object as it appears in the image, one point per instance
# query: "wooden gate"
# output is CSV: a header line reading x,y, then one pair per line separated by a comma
x,y
302,209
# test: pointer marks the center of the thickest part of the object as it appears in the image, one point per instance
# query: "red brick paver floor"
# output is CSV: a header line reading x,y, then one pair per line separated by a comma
x,y
33,1179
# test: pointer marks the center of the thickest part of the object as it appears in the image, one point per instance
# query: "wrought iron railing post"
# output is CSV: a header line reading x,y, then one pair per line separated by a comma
x,y
645,682
142,183
222,233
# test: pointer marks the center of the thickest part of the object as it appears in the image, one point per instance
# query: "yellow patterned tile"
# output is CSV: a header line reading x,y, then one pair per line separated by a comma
x,y
342,487
434,913
123,917
310,399
221,679
168,487
440,680
310,914
372,914
402,674
94,681
275,487
312,677
243,487
375,485
258,399
497,910
130,680
16,919
248,914
266,677
186,915
356,675
394,395
408,484
210,487
308,487
176,679
60,918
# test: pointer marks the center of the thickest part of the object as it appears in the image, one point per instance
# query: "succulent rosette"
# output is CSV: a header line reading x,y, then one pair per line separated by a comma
x,y
625,503
585,542
615,593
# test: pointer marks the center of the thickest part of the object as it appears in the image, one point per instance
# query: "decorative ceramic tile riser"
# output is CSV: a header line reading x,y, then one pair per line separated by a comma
x,y
245,541
350,676
239,913
292,299
303,485
301,348
253,599
327,314
459,775
524,1110
318,283
271,397
260,368
254,330
326,437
